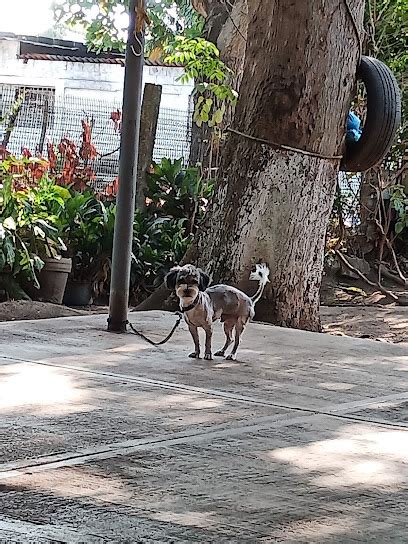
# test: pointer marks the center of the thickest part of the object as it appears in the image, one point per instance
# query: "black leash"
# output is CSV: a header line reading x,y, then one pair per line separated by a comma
x,y
173,330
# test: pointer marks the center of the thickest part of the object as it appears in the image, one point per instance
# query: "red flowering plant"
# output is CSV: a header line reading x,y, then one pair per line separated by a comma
x,y
34,195
70,165
25,171
30,204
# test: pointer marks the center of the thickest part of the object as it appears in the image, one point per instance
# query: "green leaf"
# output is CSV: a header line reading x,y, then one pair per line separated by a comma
x,y
202,87
218,116
399,227
8,248
39,231
207,105
62,191
2,261
37,262
9,223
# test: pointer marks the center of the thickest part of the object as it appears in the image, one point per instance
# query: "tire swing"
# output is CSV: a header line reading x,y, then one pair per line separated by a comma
x,y
382,121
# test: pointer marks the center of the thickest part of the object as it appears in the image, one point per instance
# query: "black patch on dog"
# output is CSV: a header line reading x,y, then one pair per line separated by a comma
x,y
171,277
204,280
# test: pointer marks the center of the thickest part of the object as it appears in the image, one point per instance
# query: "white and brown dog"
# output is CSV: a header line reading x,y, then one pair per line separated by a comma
x,y
201,305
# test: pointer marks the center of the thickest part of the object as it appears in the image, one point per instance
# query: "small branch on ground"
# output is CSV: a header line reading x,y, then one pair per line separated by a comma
x,y
344,260
394,256
387,273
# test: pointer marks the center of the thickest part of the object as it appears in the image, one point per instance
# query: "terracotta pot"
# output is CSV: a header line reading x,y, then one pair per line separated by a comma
x,y
53,280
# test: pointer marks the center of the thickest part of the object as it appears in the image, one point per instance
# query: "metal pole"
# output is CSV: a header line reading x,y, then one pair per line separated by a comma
x,y
125,203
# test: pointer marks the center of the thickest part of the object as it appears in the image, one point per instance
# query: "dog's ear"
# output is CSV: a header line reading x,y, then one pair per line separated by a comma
x,y
204,280
170,279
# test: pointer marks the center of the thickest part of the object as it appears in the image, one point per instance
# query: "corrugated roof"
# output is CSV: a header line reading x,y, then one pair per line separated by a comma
x,y
41,48
71,58
91,60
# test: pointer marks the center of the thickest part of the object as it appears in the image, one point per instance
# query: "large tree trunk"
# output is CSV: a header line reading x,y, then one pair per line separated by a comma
x,y
273,205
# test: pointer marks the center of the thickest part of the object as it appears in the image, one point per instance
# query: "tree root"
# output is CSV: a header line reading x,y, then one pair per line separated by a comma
x,y
160,299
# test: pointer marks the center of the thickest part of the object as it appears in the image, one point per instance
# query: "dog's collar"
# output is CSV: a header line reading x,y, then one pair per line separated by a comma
x,y
192,305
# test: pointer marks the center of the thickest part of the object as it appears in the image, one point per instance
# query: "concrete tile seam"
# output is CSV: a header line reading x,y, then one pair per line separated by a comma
x,y
168,385
218,431
332,411
119,449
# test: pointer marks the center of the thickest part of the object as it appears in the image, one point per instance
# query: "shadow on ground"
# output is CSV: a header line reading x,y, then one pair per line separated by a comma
x,y
105,439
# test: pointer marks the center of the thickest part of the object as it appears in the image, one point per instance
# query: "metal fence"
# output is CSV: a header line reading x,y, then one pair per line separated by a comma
x,y
349,185
41,116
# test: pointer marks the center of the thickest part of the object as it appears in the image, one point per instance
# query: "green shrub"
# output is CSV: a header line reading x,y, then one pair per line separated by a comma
x,y
40,219
29,230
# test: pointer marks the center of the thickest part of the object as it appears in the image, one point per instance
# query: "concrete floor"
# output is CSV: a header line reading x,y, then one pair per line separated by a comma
x,y
105,439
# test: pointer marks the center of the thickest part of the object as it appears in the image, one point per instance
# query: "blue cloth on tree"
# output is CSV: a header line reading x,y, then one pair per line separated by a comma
x,y
353,127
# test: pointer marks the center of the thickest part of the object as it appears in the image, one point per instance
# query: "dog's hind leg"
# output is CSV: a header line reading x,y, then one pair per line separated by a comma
x,y
194,333
239,329
228,328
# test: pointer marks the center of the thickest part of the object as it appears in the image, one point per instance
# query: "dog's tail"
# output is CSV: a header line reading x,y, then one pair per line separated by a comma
x,y
262,275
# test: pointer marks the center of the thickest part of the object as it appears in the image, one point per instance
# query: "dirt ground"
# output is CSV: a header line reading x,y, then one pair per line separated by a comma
x,y
380,322
384,323
20,310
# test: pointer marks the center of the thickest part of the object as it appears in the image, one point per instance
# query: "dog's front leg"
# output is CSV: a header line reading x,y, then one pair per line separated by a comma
x,y
194,333
208,342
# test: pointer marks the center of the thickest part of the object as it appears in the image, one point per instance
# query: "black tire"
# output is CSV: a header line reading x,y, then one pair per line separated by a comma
x,y
382,121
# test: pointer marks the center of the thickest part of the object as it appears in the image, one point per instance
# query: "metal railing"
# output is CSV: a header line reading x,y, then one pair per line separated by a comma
x,y
40,116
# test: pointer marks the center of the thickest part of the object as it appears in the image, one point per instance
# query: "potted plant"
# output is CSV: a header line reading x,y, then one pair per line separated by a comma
x,y
30,246
35,215
88,235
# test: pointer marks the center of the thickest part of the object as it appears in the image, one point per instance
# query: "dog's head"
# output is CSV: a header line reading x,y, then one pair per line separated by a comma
x,y
187,280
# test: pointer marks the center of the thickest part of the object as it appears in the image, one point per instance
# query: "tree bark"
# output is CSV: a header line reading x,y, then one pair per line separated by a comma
x,y
272,205
232,40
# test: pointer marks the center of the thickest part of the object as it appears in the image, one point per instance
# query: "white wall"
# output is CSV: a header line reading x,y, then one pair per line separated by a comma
x,y
86,79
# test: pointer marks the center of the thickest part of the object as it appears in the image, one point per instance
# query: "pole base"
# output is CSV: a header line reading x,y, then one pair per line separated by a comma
x,y
116,326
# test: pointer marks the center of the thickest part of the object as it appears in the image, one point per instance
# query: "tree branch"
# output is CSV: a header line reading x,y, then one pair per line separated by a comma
x,y
364,278
394,256
387,273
